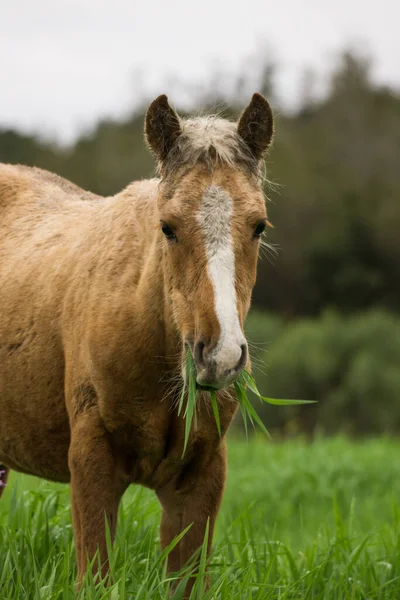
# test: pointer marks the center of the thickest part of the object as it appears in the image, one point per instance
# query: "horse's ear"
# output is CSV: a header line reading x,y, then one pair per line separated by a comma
x,y
256,125
162,127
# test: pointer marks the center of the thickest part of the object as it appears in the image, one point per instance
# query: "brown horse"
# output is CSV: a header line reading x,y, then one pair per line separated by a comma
x,y
99,300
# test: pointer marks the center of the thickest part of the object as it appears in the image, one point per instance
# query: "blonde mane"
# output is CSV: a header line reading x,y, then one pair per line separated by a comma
x,y
212,141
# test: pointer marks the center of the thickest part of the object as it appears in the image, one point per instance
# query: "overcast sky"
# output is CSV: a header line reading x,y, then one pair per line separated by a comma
x,y
66,63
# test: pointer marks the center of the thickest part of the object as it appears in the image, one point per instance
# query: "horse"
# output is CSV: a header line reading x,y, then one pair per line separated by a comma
x,y
100,300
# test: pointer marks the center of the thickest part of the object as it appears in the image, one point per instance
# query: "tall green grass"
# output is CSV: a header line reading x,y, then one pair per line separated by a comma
x,y
298,521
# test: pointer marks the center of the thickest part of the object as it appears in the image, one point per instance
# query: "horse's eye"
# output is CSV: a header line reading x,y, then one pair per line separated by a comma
x,y
167,231
259,229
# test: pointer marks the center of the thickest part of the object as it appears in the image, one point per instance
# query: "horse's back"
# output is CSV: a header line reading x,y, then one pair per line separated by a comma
x,y
19,181
13,183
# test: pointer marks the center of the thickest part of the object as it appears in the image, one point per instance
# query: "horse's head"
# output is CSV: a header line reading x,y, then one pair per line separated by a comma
x,y
212,214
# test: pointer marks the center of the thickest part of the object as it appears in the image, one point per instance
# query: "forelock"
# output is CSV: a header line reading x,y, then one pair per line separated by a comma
x,y
212,141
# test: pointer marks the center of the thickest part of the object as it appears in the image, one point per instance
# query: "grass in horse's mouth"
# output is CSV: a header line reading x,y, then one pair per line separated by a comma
x,y
204,388
244,381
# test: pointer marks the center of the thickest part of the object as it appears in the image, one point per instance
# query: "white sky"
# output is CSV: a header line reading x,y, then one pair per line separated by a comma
x,y
66,63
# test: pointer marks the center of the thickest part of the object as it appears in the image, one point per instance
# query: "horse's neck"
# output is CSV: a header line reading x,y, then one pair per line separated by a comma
x,y
135,215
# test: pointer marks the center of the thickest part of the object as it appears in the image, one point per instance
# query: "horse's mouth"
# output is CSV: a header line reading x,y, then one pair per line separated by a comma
x,y
206,377
206,388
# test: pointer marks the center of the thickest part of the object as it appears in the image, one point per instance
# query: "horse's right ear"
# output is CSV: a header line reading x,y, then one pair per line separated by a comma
x,y
161,127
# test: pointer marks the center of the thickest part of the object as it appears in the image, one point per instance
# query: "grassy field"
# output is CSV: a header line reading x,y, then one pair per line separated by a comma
x,y
298,521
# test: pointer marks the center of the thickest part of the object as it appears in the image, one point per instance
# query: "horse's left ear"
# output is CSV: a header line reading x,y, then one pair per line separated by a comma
x,y
161,127
256,125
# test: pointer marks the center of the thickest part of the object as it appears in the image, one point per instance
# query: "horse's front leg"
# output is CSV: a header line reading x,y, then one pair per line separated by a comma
x,y
193,501
94,489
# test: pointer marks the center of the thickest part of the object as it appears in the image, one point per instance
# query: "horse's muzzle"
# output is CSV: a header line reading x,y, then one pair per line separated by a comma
x,y
218,367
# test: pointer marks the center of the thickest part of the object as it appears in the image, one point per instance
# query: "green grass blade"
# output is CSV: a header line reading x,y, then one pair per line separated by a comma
x,y
214,405
253,415
249,380
282,402
239,394
190,407
202,574
188,424
182,397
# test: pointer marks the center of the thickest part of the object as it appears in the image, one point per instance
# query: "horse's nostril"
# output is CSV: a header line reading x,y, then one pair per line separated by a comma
x,y
199,353
243,358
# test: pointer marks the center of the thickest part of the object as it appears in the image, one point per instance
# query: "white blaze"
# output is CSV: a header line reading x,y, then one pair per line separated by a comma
x,y
215,217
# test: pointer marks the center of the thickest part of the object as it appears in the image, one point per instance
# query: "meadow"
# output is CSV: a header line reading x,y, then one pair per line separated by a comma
x,y
298,520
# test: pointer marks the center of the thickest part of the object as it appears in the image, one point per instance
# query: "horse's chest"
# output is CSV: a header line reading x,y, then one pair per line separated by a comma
x,y
149,450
